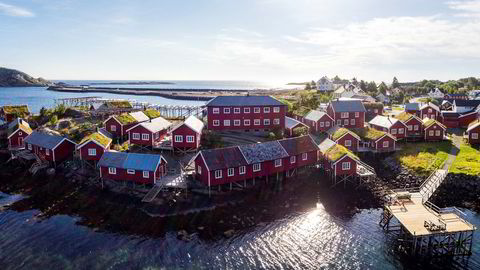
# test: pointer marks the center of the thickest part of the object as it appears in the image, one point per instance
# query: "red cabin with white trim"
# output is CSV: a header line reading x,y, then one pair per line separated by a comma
x,y
18,130
318,121
473,132
187,135
433,130
49,147
149,133
347,113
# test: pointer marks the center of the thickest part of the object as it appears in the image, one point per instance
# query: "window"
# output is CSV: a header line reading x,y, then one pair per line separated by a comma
x,y
190,138
157,135
226,110
393,131
276,121
256,167
327,124
339,122
218,174
266,109
199,169
415,127
357,114
375,110
352,122
226,123
437,133
348,143
20,133
236,110
130,171
113,128
304,156
256,110
236,122
92,152
410,127
345,122
146,174
145,137
278,162
345,166
385,144
246,122
246,110
429,110
266,122
178,138
136,136
322,124
400,131
293,159
431,133
256,122
216,123
241,170
47,152
276,109
344,115
29,147
112,170
231,171
216,110
474,136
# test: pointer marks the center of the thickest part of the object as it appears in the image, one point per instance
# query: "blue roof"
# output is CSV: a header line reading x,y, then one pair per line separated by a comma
x,y
133,161
244,101
44,140
412,107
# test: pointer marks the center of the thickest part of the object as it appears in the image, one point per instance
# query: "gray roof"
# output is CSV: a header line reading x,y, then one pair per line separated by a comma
x,y
139,116
259,152
326,144
383,121
132,161
291,123
155,125
314,115
435,107
44,140
222,158
194,123
298,145
244,101
347,106
412,107
105,133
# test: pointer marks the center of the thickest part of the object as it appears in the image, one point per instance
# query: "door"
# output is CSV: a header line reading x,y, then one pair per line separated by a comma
x,y
20,141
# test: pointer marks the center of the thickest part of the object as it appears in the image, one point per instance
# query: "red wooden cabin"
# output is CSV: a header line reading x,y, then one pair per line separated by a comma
x,y
344,137
373,109
187,135
336,160
11,112
318,121
413,123
302,151
473,131
376,140
132,167
390,125
347,113
465,119
49,147
17,131
149,133
292,124
433,130
431,111
92,147
246,113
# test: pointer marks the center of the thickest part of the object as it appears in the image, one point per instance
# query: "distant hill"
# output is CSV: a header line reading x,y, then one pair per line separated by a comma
x,y
12,77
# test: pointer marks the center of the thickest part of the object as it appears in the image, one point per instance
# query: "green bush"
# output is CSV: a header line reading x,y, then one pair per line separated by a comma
x,y
53,120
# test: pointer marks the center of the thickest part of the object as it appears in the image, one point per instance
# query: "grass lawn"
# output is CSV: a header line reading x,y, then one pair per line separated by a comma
x,y
423,158
397,108
467,161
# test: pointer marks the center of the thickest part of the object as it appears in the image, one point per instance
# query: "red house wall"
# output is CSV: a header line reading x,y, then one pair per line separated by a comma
x,y
353,166
354,140
398,125
185,131
64,150
414,112
470,139
414,122
433,115
317,127
13,140
434,137
467,119
41,152
112,122
121,174
83,151
391,144
140,130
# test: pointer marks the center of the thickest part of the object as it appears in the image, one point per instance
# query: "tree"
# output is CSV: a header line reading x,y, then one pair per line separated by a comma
x,y
308,86
300,131
336,79
372,87
60,109
354,81
313,85
363,85
53,119
382,88
395,82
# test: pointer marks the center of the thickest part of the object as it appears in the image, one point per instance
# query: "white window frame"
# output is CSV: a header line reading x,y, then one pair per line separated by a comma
x,y
348,143
385,144
136,136
199,169
293,159
218,174
237,122
112,170
345,122
278,162
401,131
246,122
92,152
346,166
236,110
327,124
304,156
246,110
266,109
242,170
357,114
322,124
415,127
146,174
431,133
438,132
276,121
474,136
145,137
190,138
256,110
344,115
430,110
352,122
216,123
130,171
178,138
226,123
226,110
276,109
266,122
47,151
410,127
257,167
393,131
20,133
216,110
339,122
29,146
113,128
256,122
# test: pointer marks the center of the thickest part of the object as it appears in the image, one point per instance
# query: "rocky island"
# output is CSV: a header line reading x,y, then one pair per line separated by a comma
x,y
14,78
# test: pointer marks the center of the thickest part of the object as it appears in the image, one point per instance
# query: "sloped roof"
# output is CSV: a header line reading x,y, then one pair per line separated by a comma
x,y
337,132
347,106
373,105
315,115
244,101
194,123
19,109
118,104
325,145
44,140
383,121
259,152
18,123
427,122
132,161
466,103
473,125
430,104
298,145
337,152
412,107
97,137
152,113
154,125
367,133
125,119
291,123
223,158
404,116
139,116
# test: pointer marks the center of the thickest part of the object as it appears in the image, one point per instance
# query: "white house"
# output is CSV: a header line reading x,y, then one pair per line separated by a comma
x,y
436,93
324,84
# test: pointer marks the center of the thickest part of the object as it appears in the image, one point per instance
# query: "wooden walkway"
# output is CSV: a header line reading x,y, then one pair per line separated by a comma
x,y
170,181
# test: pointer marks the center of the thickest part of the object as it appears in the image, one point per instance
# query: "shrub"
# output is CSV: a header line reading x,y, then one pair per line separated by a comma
x,y
53,120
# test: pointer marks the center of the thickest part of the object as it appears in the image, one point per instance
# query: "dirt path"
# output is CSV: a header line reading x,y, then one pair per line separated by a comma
x,y
456,142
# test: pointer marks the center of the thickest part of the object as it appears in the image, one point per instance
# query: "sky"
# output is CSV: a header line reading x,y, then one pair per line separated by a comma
x,y
261,40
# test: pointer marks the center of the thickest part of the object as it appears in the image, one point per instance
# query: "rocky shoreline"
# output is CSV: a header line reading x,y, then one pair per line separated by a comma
x,y
459,190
